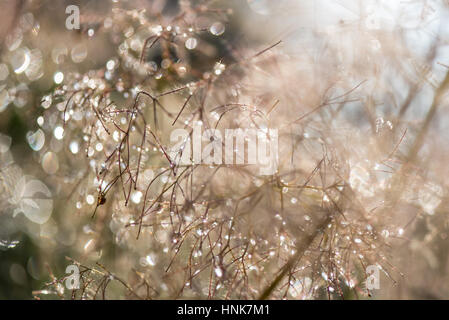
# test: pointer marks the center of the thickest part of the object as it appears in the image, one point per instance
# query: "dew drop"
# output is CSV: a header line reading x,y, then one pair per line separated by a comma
x,y
191,43
58,77
46,101
59,132
219,68
9,244
147,261
36,140
74,147
218,272
136,197
20,60
50,163
217,29
90,199
89,245
99,147
40,121
110,65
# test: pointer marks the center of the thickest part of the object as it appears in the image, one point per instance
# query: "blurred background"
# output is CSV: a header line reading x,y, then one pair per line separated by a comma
x,y
399,49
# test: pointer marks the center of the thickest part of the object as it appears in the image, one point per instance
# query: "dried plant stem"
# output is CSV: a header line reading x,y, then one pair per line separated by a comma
x,y
303,245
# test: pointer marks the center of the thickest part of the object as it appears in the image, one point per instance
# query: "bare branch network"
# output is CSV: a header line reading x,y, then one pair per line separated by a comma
x,y
356,180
